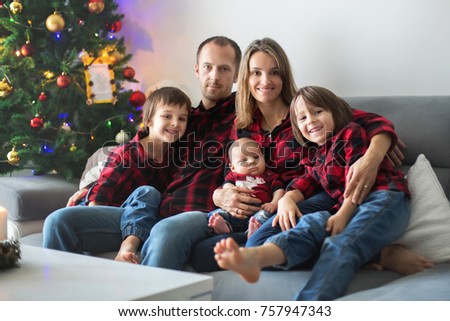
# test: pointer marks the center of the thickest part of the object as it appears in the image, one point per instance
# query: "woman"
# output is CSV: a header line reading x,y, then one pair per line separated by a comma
x,y
264,93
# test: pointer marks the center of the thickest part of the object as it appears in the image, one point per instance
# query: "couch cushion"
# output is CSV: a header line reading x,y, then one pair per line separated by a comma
x,y
428,232
429,285
34,197
406,112
283,285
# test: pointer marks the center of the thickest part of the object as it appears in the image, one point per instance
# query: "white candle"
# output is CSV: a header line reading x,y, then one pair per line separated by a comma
x,y
3,224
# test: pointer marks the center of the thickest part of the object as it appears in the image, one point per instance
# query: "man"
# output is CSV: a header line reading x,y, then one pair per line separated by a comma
x,y
202,160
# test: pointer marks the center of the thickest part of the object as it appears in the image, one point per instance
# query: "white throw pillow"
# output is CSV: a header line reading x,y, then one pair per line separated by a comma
x,y
428,232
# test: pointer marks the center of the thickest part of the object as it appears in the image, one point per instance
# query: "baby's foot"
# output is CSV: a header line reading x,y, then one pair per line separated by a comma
x,y
126,256
253,225
397,258
241,260
218,224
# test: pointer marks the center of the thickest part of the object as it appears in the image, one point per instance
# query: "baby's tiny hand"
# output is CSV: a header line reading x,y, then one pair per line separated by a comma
x,y
269,207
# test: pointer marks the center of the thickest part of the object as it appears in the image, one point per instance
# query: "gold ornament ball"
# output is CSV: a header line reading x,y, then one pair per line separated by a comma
x,y
13,157
5,88
96,6
55,23
73,148
16,7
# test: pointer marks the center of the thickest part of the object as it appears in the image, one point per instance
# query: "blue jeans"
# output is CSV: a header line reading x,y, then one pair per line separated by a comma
x,y
171,240
183,238
380,220
97,229
202,257
318,202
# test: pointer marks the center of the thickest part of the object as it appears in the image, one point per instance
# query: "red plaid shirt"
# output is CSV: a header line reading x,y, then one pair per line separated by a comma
x,y
202,160
284,154
127,167
331,163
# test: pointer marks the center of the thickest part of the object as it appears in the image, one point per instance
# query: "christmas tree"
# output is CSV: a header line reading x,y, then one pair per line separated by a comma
x,y
63,69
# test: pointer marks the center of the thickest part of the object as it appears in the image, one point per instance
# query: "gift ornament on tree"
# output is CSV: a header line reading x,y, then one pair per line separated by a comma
x,y
62,77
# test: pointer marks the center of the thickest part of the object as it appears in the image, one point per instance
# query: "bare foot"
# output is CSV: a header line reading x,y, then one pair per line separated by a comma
x,y
126,256
397,258
253,225
241,260
218,224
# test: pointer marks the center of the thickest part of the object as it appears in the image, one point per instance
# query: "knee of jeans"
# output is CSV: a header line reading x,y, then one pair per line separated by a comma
x,y
161,228
55,221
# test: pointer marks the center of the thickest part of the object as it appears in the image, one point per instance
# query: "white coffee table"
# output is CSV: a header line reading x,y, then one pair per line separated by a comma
x,y
48,275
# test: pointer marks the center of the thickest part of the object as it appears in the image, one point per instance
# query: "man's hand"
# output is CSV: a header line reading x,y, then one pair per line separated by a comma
x,y
396,155
360,179
362,174
76,197
236,201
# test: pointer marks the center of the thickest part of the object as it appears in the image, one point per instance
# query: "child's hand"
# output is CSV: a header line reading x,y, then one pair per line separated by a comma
x,y
287,215
335,224
269,207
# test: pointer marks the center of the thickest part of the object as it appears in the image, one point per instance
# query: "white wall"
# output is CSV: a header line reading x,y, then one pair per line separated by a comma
x,y
353,47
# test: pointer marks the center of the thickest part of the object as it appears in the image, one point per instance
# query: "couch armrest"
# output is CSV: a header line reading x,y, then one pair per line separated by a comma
x,y
34,197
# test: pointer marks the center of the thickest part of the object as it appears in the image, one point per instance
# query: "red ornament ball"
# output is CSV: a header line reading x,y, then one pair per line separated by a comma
x,y
63,81
137,98
27,50
42,96
37,122
114,26
129,73
96,6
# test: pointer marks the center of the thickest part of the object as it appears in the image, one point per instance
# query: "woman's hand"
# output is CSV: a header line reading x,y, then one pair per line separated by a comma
x,y
76,197
236,201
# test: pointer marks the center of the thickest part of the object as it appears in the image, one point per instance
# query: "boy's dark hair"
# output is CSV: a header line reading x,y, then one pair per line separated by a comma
x,y
166,96
223,41
321,97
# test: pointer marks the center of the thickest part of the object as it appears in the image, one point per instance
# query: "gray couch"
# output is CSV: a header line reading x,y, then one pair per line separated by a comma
x,y
422,122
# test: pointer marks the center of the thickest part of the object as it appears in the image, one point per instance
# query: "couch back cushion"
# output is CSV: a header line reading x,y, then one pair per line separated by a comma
x,y
422,122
